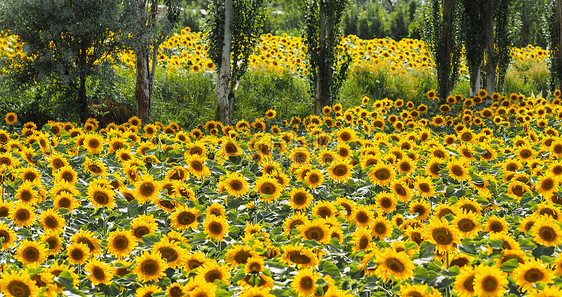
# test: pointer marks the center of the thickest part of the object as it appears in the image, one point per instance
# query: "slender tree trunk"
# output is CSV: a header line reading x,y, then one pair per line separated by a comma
x,y
85,113
143,89
323,94
475,85
223,108
446,51
491,59
559,41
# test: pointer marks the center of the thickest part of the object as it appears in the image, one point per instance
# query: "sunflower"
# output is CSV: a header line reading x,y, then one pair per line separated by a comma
x,y
87,237
52,220
7,237
120,243
489,281
392,264
268,187
381,174
93,143
23,214
362,216
18,284
386,202
547,185
235,184
171,252
31,253
315,230
27,194
66,200
212,271
94,167
216,209
525,152
361,239
149,267
101,196
340,170
194,260
147,189
408,290
304,282
464,282
254,264
381,228
547,231
293,221
314,178
458,170
465,204
184,218
444,235
99,272
300,156
401,189
531,272
496,224
215,227
467,223
421,208
78,253
239,254
67,174
11,118
324,209
526,223
300,198
432,167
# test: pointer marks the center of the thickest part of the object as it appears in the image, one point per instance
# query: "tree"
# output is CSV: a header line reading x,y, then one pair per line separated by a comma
x,y
149,23
65,43
321,38
474,39
554,22
445,43
232,37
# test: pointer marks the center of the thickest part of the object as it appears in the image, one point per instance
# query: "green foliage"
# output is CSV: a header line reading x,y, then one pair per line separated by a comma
x,y
553,37
503,35
262,89
185,98
527,78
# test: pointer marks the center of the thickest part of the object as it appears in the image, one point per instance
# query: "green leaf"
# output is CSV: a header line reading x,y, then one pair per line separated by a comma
x,y
410,245
526,244
541,250
133,209
331,269
495,243
509,265
150,239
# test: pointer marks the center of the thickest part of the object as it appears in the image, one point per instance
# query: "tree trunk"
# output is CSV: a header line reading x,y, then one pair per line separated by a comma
x,y
143,89
475,85
559,42
445,50
223,108
491,59
85,113
323,82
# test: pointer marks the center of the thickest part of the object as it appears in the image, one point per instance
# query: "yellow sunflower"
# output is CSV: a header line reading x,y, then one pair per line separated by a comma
x,y
489,281
77,253
120,243
547,231
23,215
304,282
362,216
171,252
314,178
467,223
52,220
11,118
149,267
184,218
293,222
324,209
392,264
197,166
386,202
445,236
7,237
99,272
381,174
315,230
531,272
547,185
268,187
87,237
93,143
381,228
147,189
101,196
361,239
340,170
18,284
235,184
31,253
67,174
464,282
300,198
215,227
212,271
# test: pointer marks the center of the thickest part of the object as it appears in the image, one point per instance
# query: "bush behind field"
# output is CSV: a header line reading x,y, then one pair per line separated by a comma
x,y
188,98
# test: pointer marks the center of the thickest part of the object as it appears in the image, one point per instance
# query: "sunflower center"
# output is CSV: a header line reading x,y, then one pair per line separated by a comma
x,y
468,284
533,275
306,283
362,217
213,275
169,254
442,236
457,170
395,265
345,136
315,233
141,231
186,218
98,273
420,210
400,190
22,215
147,189
215,228
18,288
548,212
268,188
466,225
77,254
518,190
444,212
192,264
4,212
26,196
241,257
236,185
52,242
95,169
386,202
547,184
489,283
150,267
299,258
496,227
460,262
405,166
67,176
313,178
324,212
101,198
340,170
382,174
547,233
64,202
295,223
300,198
424,187
380,228
230,148
51,222
31,254
469,207
4,236
120,242
94,143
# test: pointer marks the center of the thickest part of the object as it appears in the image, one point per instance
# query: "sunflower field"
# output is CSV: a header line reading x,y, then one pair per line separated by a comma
x,y
382,199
